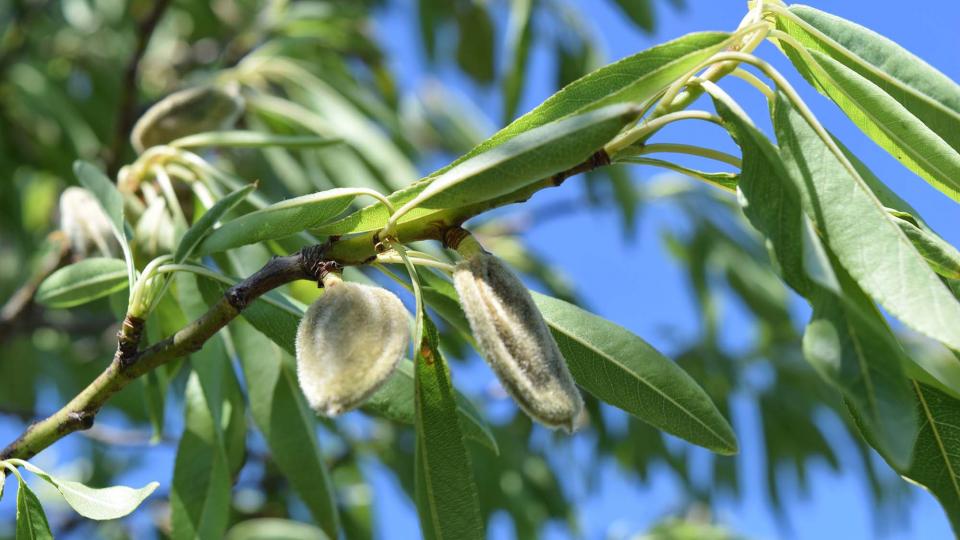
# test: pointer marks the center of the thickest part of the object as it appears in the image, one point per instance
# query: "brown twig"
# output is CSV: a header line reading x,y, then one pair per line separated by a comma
x,y
17,308
128,88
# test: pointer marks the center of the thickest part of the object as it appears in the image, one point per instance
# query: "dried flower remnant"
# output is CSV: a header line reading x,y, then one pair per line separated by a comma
x,y
85,224
188,111
348,344
515,340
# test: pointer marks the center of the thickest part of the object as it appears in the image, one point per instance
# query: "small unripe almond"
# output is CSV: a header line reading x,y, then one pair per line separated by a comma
x,y
515,340
85,224
348,344
188,111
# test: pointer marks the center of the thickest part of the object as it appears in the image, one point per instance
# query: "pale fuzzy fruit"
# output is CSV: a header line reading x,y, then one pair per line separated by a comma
x,y
348,344
182,113
85,224
515,340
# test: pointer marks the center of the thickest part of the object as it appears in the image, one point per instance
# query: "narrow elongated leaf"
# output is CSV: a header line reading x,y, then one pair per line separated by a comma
x,y
886,91
723,180
935,462
31,520
286,422
640,12
847,341
927,93
524,159
200,494
634,79
942,257
475,43
623,370
278,220
857,228
97,503
202,227
3,482
519,32
82,282
274,529
252,139
451,506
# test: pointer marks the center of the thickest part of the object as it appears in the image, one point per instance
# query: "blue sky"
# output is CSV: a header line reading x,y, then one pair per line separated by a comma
x,y
656,297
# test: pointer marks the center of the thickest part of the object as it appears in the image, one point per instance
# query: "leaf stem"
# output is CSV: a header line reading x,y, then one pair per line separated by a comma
x,y
689,149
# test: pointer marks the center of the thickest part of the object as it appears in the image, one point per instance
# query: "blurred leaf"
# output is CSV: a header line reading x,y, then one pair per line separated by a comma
x,y
274,529
904,104
97,503
447,491
634,79
476,41
278,220
82,282
519,34
286,422
251,139
623,370
640,12
202,227
106,194
31,520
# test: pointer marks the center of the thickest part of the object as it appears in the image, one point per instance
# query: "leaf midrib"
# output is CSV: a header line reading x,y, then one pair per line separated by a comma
x,y
936,434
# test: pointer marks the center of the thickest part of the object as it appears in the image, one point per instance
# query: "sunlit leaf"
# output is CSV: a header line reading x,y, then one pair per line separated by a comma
x,y
97,503
274,529
31,520
202,227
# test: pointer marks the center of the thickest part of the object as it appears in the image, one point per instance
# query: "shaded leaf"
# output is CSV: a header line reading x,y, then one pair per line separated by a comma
x,y
278,220
942,257
476,41
640,12
82,282
202,227
519,34
449,507
723,180
623,370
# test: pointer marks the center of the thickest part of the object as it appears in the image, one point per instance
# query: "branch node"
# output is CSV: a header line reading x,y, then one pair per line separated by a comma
x,y
83,420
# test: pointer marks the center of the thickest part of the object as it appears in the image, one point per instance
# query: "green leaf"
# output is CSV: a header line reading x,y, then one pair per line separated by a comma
x,y
723,180
902,103
942,257
201,227
634,79
847,340
82,282
936,465
252,139
476,42
451,506
97,503
286,422
519,33
278,220
274,529
31,520
531,156
623,370
925,92
200,493
857,228
640,12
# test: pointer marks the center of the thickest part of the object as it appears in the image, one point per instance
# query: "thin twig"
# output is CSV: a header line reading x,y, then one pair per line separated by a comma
x,y
15,311
128,88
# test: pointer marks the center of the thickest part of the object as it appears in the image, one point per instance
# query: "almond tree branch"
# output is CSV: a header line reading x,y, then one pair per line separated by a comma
x,y
309,263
